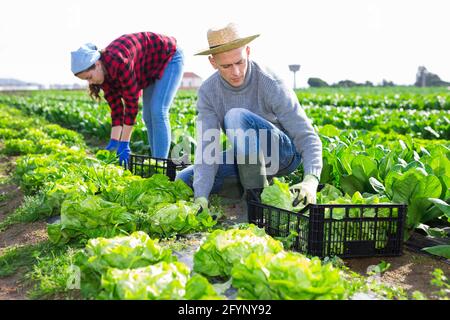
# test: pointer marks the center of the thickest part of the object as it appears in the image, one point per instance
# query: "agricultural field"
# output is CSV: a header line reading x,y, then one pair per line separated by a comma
x,y
120,234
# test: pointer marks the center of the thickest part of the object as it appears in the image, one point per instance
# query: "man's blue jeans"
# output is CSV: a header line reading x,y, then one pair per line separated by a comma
x,y
157,99
239,118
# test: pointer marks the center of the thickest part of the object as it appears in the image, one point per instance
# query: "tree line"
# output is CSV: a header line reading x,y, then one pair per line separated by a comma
x,y
424,78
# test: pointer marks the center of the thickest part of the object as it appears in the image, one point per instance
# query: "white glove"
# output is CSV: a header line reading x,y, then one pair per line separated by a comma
x,y
202,201
307,188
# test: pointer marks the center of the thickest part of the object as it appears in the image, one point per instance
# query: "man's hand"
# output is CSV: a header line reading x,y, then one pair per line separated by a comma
x,y
124,151
112,145
307,188
202,201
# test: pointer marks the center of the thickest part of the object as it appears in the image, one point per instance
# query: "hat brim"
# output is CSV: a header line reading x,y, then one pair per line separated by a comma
x,y
228,46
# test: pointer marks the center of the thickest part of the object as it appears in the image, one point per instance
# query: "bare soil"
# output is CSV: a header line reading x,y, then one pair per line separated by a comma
x,y
410,271
23,234
13,287
11,197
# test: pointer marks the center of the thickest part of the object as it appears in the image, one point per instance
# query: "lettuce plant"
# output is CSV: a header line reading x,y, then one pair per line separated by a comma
x,y
221,250
161,281
287,276
122,252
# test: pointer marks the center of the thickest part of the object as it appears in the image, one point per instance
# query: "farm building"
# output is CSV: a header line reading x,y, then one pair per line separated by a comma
x,y
190,81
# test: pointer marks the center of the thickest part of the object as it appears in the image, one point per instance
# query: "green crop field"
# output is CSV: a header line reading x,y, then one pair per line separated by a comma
x,y
121,235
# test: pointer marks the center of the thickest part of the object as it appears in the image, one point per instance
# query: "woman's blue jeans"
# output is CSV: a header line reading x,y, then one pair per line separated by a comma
x,y
239,118
157,99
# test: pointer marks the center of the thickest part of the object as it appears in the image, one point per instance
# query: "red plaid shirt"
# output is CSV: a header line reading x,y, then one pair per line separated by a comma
x,y
132,63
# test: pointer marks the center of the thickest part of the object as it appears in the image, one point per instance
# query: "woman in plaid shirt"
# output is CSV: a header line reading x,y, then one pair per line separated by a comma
x,y
133,62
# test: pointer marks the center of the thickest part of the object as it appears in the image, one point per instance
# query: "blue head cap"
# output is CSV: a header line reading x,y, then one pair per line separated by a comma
x,y
84,57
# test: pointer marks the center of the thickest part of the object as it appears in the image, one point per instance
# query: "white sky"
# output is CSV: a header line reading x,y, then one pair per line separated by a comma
x,y
333,40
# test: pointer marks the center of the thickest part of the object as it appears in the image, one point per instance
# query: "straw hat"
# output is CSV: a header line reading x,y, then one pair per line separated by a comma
x,y
225,39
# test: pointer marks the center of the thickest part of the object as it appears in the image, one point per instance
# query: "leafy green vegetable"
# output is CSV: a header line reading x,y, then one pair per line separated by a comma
x,y
181,217
277,195
414,187
287,276
223,249
380,268
162,281
441,250
146,194
123,252
90,218
199,288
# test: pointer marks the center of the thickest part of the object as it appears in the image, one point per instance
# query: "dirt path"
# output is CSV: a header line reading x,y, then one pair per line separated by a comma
x,y
410,271
23,234
11,197
12,287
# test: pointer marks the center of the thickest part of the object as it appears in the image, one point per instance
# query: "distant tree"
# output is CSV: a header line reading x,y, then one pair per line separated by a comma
x,y
424,78
350,83
317,82
346,84
386,83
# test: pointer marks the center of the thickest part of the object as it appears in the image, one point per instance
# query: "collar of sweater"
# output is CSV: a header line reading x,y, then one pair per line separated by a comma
x,y
244,85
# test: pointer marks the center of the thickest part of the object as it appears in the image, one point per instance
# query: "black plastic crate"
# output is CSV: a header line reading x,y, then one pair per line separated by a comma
x,y
146,166
344,230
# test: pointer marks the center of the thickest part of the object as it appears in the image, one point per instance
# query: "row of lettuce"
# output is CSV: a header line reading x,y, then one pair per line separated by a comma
x,y
425,124
107,216
75,110
244,259
377,97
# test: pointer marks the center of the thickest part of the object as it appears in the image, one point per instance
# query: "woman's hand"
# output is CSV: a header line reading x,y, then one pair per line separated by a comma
x,y
124,151
112,145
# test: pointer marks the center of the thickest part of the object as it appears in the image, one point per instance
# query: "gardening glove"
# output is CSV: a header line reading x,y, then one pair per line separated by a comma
x,y
307,189
203,202
123,151
112,145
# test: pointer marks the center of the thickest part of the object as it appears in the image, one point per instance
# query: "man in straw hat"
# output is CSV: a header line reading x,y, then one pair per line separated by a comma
x,y
262,119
